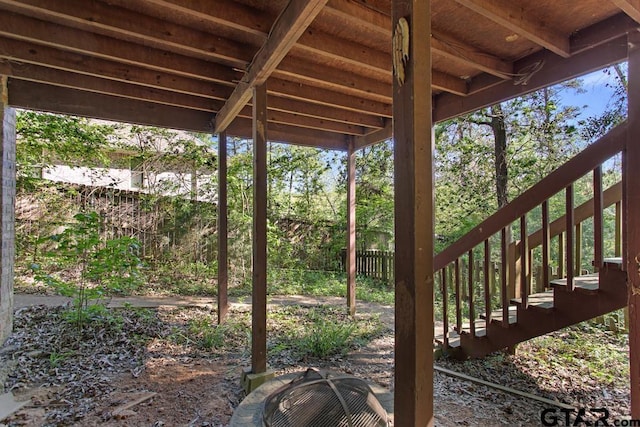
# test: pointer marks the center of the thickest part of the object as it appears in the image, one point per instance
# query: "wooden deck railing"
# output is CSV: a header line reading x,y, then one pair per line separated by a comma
x,y
566,229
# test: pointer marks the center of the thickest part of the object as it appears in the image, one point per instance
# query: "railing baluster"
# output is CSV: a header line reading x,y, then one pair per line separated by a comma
x,y
561,237
569,231
445,318
503,277
457,284
472,314
597,218
524,258
487,283
578,249
545,244
618,236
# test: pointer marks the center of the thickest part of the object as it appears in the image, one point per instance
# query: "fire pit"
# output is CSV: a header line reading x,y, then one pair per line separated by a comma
x,y
316,399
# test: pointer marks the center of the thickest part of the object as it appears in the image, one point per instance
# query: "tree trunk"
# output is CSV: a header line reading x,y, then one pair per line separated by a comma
x,y
500,138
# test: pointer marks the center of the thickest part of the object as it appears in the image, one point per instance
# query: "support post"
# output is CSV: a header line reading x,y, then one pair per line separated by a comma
x,y
414,216
631,172
259,300
351,227
223,263
7,201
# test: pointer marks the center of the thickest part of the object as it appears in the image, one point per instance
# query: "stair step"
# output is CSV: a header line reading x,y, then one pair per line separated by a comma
x,y
541,301
587,284
454,339
613,263
496,315
480,328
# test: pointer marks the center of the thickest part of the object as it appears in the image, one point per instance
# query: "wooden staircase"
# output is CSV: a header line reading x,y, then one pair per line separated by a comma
x,y
592,295
513,313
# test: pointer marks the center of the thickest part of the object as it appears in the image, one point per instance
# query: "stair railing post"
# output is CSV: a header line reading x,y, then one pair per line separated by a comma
x,y
524,257
597,218
504,276
569,235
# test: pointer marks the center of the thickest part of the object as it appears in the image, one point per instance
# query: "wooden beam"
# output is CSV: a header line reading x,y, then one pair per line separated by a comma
x,y
293,135
36,73
33,53
470,56
129,25
351,228
329,98
113,21
259,237
62,78
294,20
336,79
257,23
379,21
448,83
516,19
553,69
630,7
18,26
223,257
42,97
20,58
375,136
414,210
632,229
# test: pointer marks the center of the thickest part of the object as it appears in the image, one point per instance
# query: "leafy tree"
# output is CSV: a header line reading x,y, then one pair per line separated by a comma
x,y
508,148
43,139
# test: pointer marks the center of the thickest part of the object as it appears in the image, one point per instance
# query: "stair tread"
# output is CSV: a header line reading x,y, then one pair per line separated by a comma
x,y
542,300
589,282
496,315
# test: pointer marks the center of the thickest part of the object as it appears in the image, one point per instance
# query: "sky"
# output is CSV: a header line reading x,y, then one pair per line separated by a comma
x,y
598,92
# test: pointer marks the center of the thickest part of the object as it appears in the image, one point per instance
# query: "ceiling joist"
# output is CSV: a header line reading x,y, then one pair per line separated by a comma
x,y
294,20
513,17
630,7
441,44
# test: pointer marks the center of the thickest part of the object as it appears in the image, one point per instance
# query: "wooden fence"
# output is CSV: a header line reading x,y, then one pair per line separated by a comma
x,y
373,263
165,226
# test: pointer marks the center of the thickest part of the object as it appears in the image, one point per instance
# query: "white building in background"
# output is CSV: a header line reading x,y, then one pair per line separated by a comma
x,y
169,180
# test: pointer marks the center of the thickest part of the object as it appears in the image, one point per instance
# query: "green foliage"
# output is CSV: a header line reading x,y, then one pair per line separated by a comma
x,y
319,332
201,331
105,267
44,138
326,338
595,352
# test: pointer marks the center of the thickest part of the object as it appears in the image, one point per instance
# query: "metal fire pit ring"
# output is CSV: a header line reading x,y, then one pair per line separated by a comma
x,y
249,412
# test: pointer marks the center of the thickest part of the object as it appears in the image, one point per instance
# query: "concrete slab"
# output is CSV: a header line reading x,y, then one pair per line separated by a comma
x,y
8,405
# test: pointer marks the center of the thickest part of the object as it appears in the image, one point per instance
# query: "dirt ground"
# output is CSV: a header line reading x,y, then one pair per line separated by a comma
x,y
183,387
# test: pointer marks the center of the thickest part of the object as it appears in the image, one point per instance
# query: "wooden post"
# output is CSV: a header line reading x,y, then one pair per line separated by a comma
x,y
223,272
413,158
7,202
351,228
597,219
569,235
259,300
631,224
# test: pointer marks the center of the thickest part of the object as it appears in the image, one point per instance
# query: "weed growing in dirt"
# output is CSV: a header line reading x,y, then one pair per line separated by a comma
x,y
320,332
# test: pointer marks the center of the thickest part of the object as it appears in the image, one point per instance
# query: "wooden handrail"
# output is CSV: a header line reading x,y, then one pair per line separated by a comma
x,y
610,196
581,164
